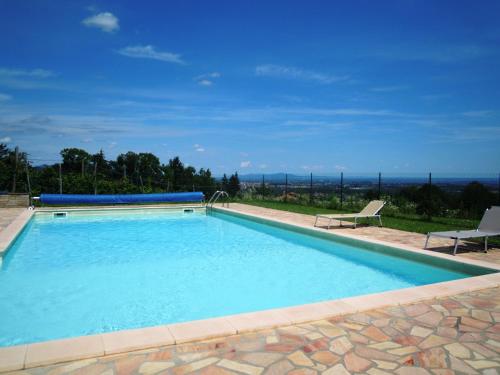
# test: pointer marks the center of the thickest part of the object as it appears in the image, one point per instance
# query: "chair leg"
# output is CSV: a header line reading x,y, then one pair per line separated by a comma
x,y
380,220
316,221
455,247
426,241
329,223
485,244
340,221
355,222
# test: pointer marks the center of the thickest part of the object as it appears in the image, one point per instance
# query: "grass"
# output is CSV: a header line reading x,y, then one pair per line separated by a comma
x,y
408,223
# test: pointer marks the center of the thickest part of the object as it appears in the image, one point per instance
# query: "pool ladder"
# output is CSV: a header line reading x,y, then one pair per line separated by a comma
x,y
213,199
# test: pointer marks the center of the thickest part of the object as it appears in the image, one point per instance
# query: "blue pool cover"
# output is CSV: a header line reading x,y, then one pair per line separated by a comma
x,y
195,196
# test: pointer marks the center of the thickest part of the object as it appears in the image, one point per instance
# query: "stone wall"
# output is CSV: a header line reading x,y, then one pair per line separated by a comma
x,y
14,200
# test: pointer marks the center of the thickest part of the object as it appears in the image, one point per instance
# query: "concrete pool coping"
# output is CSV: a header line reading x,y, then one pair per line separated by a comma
x,y
82,347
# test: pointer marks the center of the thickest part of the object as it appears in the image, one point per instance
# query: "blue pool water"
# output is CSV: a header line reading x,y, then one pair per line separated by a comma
x,y
93,272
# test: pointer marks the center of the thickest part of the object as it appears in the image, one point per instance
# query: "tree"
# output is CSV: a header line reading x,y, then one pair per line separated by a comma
x,y
233,187
430,200
75,160
224,183
476,198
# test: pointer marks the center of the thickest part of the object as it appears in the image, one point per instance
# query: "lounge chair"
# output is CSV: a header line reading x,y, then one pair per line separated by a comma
x,y
489,226
372,209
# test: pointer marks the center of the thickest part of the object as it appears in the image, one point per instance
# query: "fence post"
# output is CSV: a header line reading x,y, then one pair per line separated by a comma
x,y
28,179
60,179
263,187
286,187
499,188
430,178
379,184
95,177
311,190
341,189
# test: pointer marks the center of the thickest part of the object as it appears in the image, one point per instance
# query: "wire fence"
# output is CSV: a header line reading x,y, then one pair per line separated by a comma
x,y
345,191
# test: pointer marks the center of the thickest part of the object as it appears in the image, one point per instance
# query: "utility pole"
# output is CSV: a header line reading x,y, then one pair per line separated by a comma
x,y
60,179
286,186
430,178
379,184
263,187
95,177
341,189
28,180
14,177
311,190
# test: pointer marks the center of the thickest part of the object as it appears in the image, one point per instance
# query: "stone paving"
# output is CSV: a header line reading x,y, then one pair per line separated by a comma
x,y
466,249
7,216
454,335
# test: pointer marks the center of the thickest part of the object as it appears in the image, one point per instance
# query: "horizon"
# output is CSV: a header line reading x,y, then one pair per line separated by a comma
x,y
260,88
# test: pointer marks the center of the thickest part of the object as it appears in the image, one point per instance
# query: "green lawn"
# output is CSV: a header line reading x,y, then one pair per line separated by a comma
x,y
409,223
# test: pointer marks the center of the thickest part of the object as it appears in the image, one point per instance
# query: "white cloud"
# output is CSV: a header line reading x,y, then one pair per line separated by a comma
x,y
5,140
388,88
105,21
4,97
35,73
198,148
245,164
340,168
205,82
207,79
150,52
484,113
263,166
290,72
313,167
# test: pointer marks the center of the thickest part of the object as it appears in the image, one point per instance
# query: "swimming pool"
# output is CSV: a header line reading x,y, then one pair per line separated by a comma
x,y
101,271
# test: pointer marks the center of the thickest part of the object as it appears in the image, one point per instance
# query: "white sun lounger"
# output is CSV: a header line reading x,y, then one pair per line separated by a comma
x,y
372,209
488,227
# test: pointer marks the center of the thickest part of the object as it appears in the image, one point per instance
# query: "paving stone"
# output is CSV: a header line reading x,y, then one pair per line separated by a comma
x,y
332,331
302,371
420,331
461,366
384,345
482,315
326,357
405,350
148,368
483,364
336,370
370,353
458,350
215,370
241,367
261,358
416,309
341,346
447,332
432,318
279,368
355,363
432,358
376,371
385,365
434,340
375,334
186,369
412,371
300,359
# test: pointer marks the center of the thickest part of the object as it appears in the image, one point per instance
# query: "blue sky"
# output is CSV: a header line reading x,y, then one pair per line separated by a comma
x,y
260,86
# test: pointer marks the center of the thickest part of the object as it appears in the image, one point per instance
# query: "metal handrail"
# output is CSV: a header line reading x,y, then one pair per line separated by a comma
x,y
213,199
